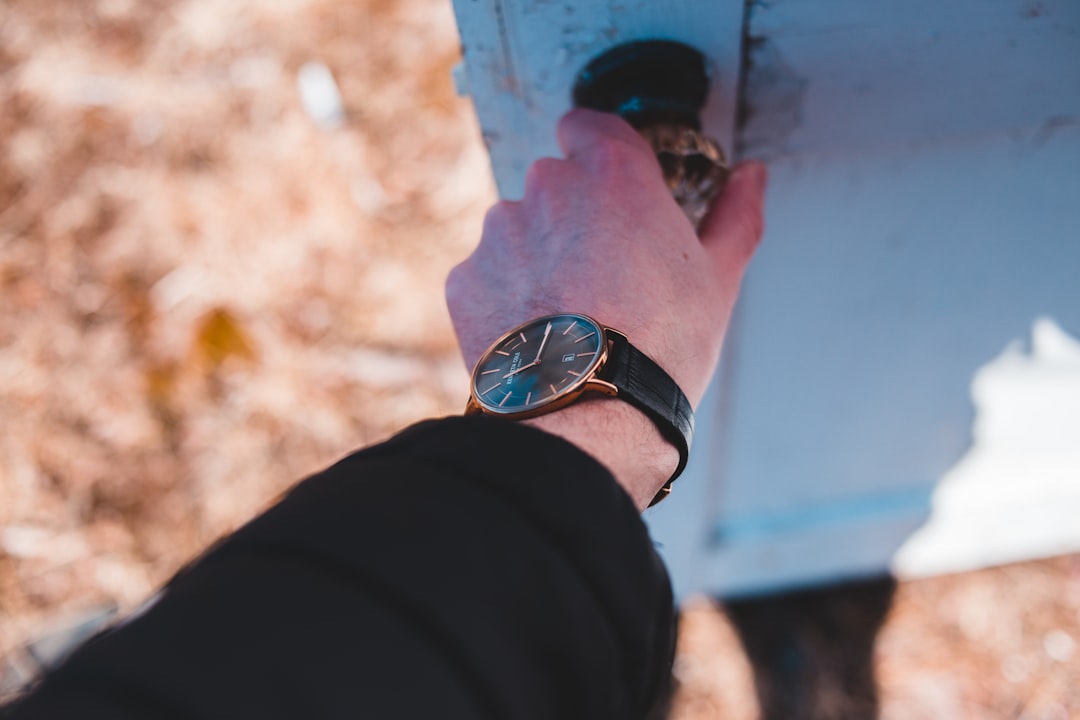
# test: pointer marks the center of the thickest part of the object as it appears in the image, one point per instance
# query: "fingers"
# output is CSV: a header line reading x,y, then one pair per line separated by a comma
x,y
547,177
582,133
734,226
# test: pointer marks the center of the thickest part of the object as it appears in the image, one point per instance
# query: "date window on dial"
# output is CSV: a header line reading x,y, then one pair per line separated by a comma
x,y
569,357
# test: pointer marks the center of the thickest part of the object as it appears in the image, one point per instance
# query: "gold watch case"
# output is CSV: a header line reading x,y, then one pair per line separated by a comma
x,y
511,349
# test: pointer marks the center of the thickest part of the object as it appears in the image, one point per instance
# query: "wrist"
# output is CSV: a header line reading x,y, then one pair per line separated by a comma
x,y
620,437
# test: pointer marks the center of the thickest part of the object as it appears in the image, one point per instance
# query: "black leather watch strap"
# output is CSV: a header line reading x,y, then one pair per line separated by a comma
x,y
646,386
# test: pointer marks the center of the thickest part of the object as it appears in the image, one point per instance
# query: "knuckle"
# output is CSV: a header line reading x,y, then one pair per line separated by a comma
x,y
573,122
543,175
615,155
572,116
455,281
501,219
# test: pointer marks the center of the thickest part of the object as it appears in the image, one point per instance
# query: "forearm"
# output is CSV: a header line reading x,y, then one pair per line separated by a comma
x,y
468,568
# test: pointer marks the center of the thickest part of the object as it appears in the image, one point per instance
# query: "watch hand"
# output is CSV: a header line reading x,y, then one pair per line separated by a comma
x,y
523,367
542,343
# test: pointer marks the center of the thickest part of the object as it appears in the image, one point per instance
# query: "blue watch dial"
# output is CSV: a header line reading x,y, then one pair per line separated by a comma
x,y
538,363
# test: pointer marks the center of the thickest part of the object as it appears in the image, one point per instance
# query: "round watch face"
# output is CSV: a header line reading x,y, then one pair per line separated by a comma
x,y
538,363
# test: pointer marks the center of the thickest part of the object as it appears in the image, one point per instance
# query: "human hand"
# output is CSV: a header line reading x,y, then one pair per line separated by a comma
x,y
598,233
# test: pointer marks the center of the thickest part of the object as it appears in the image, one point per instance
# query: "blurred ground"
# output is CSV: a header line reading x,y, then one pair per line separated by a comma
x,y
206,296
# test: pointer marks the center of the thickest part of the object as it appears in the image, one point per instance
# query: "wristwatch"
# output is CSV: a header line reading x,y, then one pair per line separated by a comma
x,y
550,362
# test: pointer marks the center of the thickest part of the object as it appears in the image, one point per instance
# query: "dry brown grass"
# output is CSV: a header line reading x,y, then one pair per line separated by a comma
x,y
206,296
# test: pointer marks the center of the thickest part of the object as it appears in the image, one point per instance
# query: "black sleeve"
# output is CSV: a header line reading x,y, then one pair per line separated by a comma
x,y
467,568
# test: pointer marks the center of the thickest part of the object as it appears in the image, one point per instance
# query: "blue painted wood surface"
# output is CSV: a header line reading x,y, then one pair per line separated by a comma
x,y
924,210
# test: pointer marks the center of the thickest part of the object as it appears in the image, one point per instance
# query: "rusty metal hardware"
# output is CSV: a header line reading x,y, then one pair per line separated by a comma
x,y
659,87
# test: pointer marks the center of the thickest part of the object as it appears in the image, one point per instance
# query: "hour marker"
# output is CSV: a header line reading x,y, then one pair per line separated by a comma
x,y
500,352
553,390
574,373
591,352
585,337
503,401
528,397
569,328
488,372
522,336
492,388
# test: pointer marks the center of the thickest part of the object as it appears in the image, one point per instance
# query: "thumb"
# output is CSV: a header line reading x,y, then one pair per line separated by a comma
x,y
734,226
